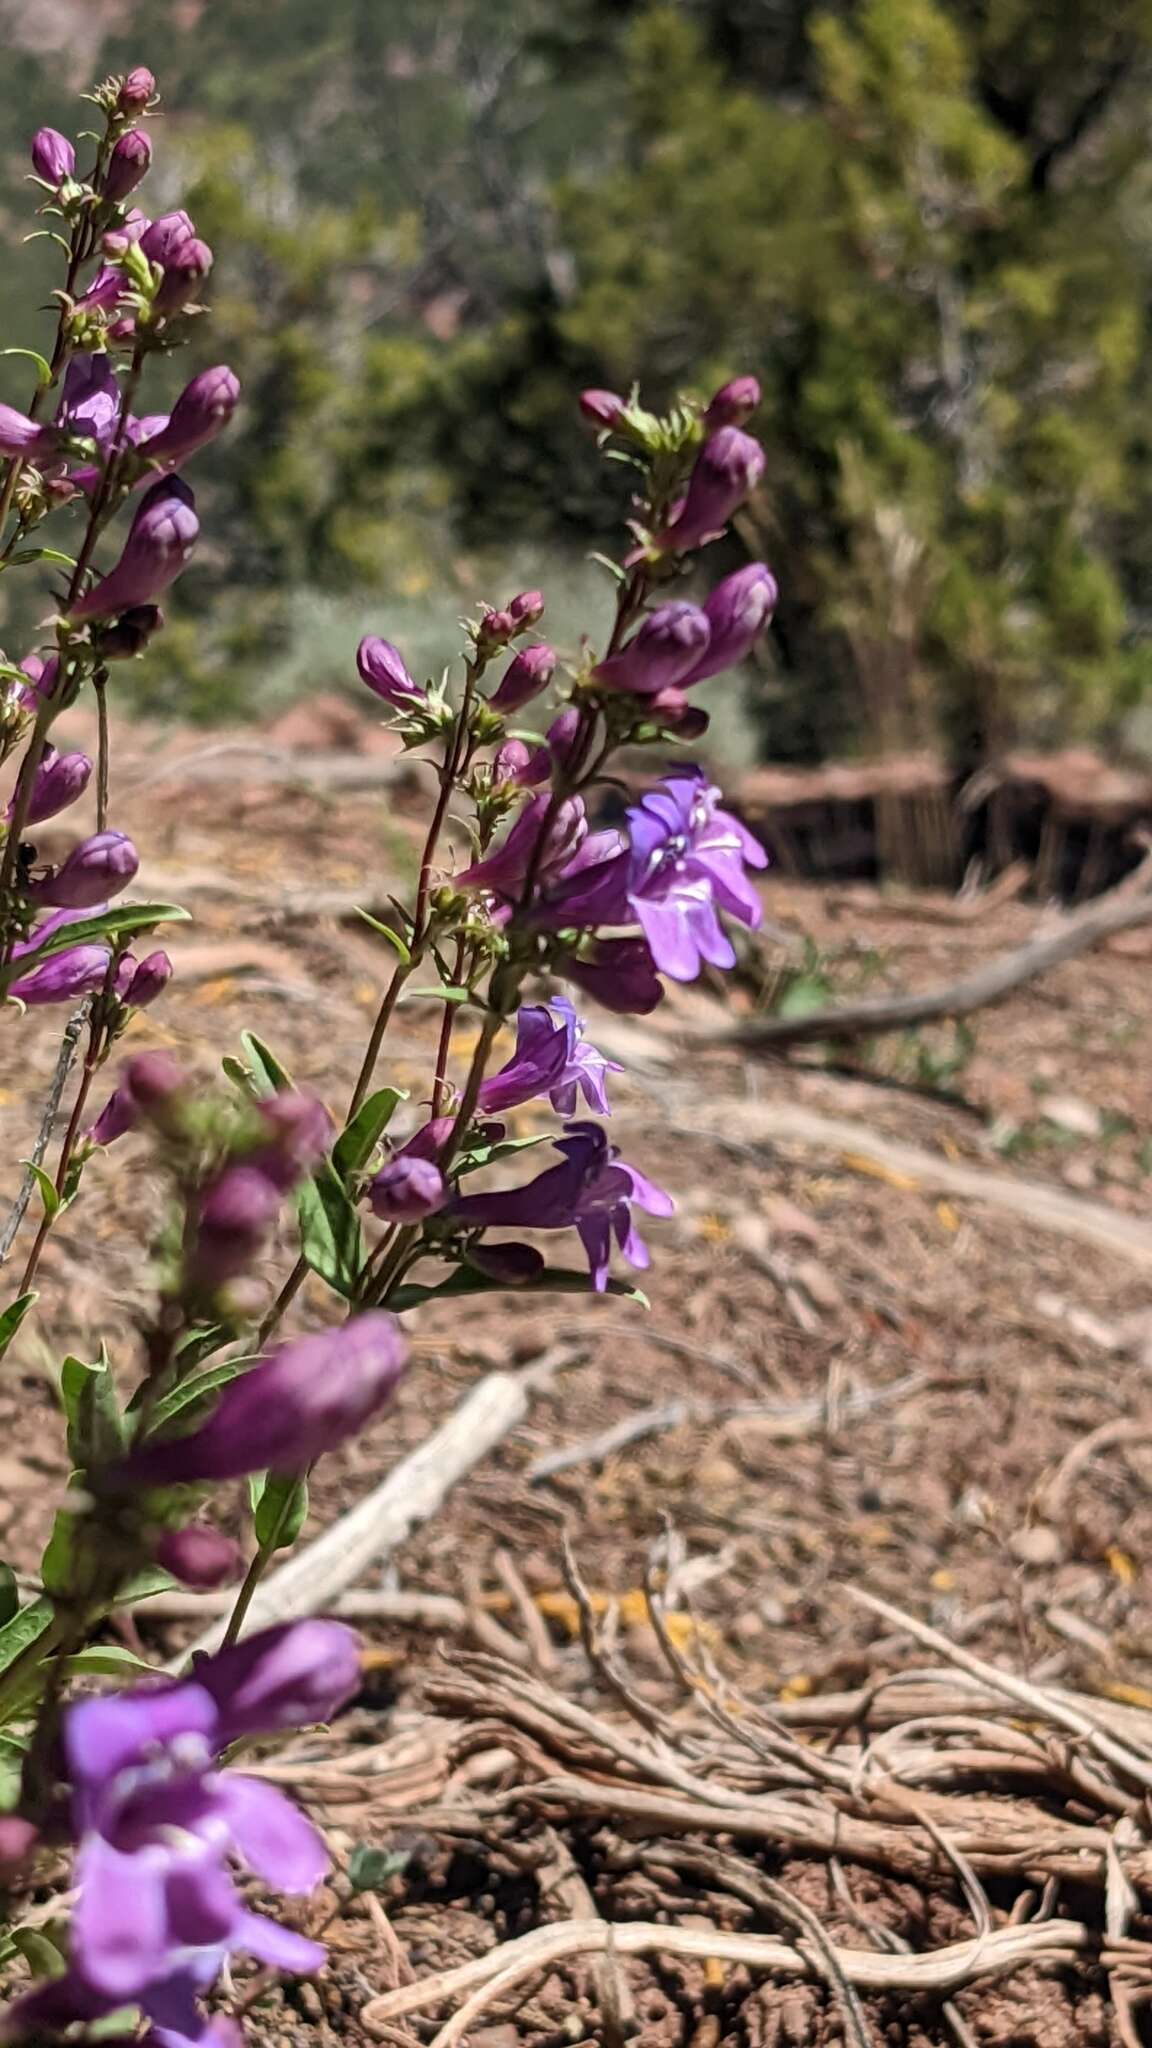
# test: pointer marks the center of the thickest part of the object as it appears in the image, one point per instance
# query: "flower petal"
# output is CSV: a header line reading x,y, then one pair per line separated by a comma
x,y
273,1837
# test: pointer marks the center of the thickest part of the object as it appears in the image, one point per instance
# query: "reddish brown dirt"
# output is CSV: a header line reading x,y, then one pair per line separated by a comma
x,y
1023,1340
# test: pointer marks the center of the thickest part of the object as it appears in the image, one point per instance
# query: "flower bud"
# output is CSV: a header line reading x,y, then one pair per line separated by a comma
x,y
529,672
301,1133
120,1114
494,631
162,237
137,89
735,402
286,1677
53,157
150,980
202,411
673,711
60,780
153,1080
160,541
128,635
671,640
105,291
729,465
128,163
406,1190
620,974
526,609
65,977
284,1413
96,869
117,241
737,613
523,767
561,734
199,1557
184,273
382,667
21,436
514,1265
603,409
18,1838
236,1214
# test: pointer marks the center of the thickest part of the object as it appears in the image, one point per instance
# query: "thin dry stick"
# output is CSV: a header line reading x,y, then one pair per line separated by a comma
x,y
1035,1697
946,1969
51,1110
1052,1495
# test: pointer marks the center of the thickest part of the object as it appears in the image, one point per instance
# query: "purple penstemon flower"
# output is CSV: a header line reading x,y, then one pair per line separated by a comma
x,y
591,1191
160,540
552,1058
505,870
672,640
686,862
157,1912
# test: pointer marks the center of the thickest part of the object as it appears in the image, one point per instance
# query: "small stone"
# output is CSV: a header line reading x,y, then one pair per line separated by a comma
x,y
1079,1174
1037,1544
1071,1114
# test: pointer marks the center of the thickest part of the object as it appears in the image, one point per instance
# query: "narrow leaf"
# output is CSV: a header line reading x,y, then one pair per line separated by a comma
x,y
129,917
24,1629
96,1432
357,1142
9,1597
45,1188
330,1240
192,1393
281,1510
269,1075
468,1280
12,1318
386,932
43,369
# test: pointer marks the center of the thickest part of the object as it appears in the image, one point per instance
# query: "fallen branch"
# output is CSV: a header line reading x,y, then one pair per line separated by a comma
x,y
314,1577
410,1610
484,1980
1048,1208
1124,907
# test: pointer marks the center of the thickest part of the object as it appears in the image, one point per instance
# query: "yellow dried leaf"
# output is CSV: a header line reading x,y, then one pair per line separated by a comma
x,y
877,1535
859,1162
713,1973
1120,1565
381,1660
215,991
366,992
949,1147
797,1688
948,1216
942,1581
713,1230
1124,1695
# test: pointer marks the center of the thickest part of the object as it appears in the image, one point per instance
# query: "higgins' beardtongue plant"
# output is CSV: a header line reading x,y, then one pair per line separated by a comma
x,y
534,892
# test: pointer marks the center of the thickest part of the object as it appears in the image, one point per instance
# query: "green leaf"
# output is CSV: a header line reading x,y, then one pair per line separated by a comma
x,y
264,1066
442,994
152,1578
368,1868
46,1188
386,932
330,1240
280,1509
129,917
43,555
107,1660
237,1073
23,1630
503,1148
42,1956
468,1280
192,1392
807,993
59,1555
96,1431
32,355
12,1318
9,1597
358,1140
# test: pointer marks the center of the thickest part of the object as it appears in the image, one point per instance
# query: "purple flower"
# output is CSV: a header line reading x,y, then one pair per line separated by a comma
x,y
136,90
147,1085
602,409
202,411
237,1212
290,1676
98,868
160,541
60,780
735,402
158,1823
383,668
505,870
590,1190
737,612
552,1058
620,974
198,1556
671,641
53,157
301,1132
120,1114
729,465
529,672
78,971
90,400
526,608
105,291
21,436
150,980
562,733
162,237
285,1412
524,767
407,1189
128,164
129,231
185,269
687,861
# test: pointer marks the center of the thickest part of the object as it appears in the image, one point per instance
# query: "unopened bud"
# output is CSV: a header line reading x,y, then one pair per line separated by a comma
x,y
100,867
138,88
150,980
160,541
527,608
530,672
53,157
602,409
383,668
128,163
406,1190
735,402
199,1557
184,273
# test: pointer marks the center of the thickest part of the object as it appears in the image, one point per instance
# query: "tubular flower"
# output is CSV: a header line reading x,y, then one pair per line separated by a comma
x,y
591,1190
160,541
737,613
671,642
383,668
686,862
303,1400
729,465
202,411
552,1058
